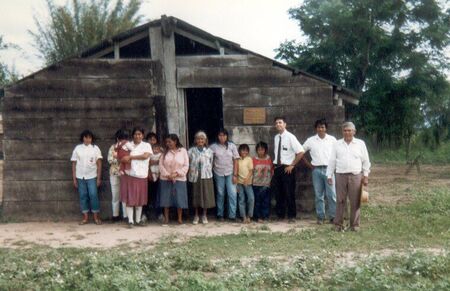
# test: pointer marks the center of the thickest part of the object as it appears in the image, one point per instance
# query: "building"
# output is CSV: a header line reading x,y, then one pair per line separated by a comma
x,y
167,76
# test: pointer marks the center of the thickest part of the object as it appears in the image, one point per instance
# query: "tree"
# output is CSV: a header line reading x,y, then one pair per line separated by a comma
x,y
392,52
7,75
76,27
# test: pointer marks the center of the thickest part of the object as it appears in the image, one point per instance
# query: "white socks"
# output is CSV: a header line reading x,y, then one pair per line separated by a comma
x,y
130,214
138,214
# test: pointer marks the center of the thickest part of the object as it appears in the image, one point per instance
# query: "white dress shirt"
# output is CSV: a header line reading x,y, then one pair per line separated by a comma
x,y
349,158
139,168
290,146
86,157
320,149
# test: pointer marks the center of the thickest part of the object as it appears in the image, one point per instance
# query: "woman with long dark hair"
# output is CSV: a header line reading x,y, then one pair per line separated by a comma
x,y
134,187
225,170
173,166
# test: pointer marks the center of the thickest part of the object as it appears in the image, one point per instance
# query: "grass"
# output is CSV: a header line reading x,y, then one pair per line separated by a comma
x,y
439,155
400,247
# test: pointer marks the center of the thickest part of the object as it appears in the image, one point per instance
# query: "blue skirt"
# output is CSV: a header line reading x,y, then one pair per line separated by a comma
x,y
173,194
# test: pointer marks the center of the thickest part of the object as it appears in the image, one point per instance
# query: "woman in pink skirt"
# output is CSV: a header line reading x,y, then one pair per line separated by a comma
x,y
133,185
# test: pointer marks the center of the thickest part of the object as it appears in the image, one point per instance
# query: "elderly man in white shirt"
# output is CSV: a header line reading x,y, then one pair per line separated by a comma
x,y
288,153
319,147
350,160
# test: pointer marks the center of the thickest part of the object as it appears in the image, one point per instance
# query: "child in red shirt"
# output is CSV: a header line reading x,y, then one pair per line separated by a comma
x,y
262,176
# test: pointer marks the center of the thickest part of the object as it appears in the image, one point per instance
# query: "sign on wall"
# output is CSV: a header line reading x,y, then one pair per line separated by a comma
x,y
255,115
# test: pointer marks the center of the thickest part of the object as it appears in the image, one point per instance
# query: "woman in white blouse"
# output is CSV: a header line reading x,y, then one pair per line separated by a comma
x,y
134,192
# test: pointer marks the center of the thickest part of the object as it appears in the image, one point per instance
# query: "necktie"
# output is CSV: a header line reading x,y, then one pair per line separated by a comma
x,y
279,152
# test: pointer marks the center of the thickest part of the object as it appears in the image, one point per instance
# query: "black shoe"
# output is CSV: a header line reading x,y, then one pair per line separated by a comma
x,y
331,220
140,223
130,225
115,219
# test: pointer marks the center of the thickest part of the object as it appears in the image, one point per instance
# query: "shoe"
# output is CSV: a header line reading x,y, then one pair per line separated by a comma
x,y
331,220
291,220
319,221
233,220
144,218
98,221
83,222
160,218
220,219
260,220
196,219
354,228
338,228
130,225
204,220
140,223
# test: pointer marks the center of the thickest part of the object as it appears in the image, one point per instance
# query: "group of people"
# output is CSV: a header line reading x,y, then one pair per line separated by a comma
x,y
148,178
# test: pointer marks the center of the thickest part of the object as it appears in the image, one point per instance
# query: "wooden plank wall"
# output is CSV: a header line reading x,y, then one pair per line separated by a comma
x,y
252,81
43,117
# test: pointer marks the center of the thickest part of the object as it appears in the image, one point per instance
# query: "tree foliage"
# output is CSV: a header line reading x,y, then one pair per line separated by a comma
x,y
7,74
78,25
391,51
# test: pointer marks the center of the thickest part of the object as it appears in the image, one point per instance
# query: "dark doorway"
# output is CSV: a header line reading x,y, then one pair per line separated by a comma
x,y
204,112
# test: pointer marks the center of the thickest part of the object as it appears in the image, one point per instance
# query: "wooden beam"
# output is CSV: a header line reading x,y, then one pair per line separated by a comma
x,y
124,42
193,37
116,51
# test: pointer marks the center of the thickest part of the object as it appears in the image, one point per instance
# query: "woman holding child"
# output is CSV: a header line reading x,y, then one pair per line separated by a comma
x,y
134,187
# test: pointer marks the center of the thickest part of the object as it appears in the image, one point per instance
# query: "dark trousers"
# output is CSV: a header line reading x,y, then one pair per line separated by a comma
x,y
283,187
153,200
262,202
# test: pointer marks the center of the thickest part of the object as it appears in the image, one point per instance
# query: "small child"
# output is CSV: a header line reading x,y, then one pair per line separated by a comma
x,y
123,149
244,186
262,175
153,183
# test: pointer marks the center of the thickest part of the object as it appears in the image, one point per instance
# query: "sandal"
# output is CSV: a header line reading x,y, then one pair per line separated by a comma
x,y
98,222
83,222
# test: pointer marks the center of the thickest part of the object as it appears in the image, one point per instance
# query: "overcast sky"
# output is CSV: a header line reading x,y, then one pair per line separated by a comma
x,y
257,25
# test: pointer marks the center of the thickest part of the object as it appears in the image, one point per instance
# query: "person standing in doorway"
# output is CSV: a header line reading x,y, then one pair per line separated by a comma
x,y
319,147
350,160
288,153
201,176
225,170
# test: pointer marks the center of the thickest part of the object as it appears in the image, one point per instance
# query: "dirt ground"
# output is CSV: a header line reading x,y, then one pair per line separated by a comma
x,y
388,184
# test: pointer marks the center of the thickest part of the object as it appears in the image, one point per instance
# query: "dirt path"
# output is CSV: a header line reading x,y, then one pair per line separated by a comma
x,y
70,234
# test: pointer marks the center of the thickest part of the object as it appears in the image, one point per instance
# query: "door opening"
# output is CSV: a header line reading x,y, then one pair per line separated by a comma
x,y
204,112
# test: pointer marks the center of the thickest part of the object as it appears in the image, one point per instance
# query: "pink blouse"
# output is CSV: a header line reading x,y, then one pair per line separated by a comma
x,y
174,161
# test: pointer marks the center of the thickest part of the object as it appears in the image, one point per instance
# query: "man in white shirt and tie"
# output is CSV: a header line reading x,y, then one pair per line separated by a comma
x,y
350,160
319,147
288,153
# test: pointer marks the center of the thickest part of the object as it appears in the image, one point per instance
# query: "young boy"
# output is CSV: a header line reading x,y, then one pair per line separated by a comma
x,y
244,186
262,175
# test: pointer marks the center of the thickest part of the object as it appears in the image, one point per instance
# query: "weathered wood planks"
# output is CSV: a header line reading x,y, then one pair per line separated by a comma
x,y
44,115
